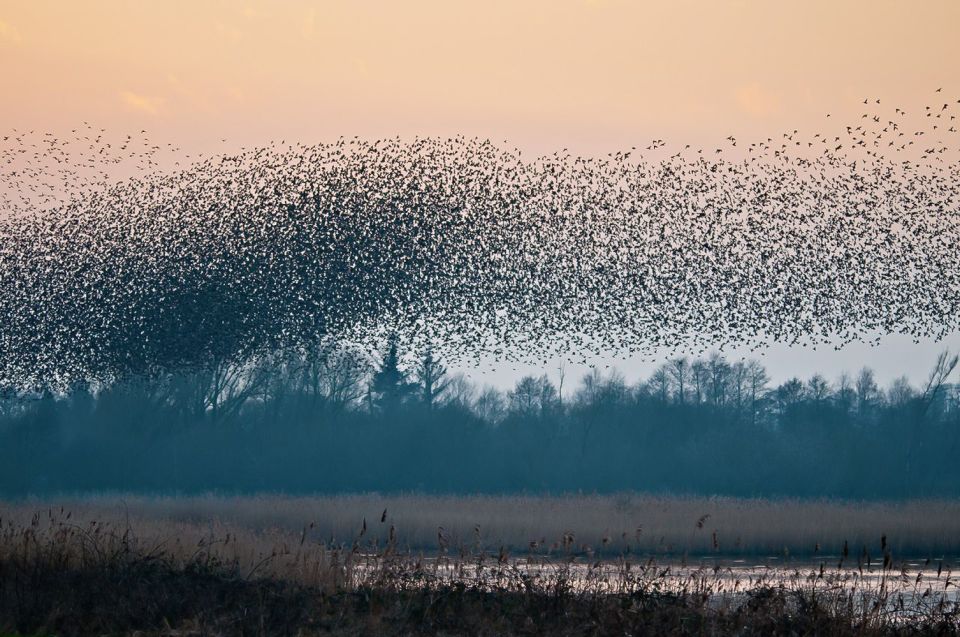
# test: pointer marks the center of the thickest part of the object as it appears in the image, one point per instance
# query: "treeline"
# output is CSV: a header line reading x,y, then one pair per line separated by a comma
x,y
336,420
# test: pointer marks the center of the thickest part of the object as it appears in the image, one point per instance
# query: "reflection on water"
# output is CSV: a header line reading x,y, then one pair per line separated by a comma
x,y
898,590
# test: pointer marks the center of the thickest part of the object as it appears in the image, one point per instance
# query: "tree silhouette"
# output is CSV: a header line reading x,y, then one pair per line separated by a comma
x,y
389,386
431,375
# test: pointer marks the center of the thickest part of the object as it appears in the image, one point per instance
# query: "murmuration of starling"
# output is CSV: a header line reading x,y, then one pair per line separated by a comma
x,y
471,247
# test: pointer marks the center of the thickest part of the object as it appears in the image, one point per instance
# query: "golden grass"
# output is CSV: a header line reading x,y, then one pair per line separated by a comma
x,y
644,524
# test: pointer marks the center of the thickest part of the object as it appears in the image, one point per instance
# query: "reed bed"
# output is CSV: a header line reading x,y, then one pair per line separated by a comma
x,y
606,524
71,575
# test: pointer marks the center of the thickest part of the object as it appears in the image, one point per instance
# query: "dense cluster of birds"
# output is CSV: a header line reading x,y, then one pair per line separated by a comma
x,y
469,246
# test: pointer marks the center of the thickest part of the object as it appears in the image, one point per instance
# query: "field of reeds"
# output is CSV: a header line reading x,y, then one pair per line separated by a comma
x,y
605,524
370,564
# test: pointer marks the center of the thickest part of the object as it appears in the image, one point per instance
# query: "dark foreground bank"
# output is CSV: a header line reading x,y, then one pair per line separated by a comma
x,y
61,578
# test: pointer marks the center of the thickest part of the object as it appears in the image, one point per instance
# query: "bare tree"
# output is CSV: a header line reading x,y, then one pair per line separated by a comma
x,y
524,398
900,392
533,396
562,375
217,391
490,405
719,378
345,371
660,384
739,378
932,391
699,377
818,390
590,387
942,369
331,377
866,391
459,392
845,395
757,380
431,375
549,399
679,368
789,394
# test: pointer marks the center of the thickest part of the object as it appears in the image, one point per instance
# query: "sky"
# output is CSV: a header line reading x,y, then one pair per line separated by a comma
x,y
592,76
892,357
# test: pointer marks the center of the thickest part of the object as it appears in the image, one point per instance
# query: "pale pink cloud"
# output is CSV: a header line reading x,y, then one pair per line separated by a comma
x,y
9,34
142,103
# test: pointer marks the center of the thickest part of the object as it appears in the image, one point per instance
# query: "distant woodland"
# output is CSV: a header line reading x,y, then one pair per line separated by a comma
x,y
335,420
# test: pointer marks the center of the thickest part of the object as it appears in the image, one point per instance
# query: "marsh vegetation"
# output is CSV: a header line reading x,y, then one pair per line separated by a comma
x,y
257,566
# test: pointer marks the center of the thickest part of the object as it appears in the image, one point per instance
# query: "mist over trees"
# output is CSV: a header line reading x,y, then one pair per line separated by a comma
x,y
334,419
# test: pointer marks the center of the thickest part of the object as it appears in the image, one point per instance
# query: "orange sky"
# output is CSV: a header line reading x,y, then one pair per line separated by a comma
x,y
591,75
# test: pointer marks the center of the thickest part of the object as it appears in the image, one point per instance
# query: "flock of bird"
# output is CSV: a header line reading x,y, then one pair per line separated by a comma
x,y
471,247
